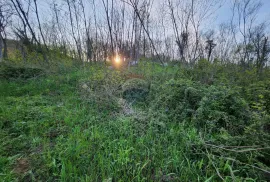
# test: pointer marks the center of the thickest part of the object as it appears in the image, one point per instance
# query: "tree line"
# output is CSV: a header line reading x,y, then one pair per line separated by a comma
x,y
97,30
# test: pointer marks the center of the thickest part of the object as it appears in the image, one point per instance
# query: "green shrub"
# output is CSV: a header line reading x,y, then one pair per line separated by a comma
x,y
102,90
204,71
258,95
211,108
222,108
135,90
9,72
178,99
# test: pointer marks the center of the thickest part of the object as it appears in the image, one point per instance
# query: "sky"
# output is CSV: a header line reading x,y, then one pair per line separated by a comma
x,y
224,13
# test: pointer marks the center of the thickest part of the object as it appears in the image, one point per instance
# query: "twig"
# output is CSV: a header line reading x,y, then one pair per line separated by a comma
x,y
218,173
238,151
237,161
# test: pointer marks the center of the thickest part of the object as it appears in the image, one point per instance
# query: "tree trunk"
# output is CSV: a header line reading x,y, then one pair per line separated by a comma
x,y
5,52
1,48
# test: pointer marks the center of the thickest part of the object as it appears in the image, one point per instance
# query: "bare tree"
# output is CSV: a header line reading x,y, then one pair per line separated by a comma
x,y
109,21
261,46
134,5
76,38
135,28
5,16
225,47
209,47
244,17
39,25
181,38
23,16
61,31
89,42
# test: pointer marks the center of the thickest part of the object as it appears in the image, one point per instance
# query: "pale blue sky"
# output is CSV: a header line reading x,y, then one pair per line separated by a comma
x,y
222,15
225,12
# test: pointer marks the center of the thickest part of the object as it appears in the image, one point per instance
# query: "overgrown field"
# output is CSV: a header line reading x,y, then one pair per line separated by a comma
x,y
151,123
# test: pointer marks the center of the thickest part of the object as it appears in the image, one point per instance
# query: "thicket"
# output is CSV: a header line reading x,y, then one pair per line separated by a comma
x,y
208,122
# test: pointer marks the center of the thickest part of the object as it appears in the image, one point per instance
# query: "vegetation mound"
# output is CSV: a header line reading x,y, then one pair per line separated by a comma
x,y
135,89
10,72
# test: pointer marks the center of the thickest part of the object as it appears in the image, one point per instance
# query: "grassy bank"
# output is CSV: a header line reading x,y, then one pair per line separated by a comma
x,y
208,123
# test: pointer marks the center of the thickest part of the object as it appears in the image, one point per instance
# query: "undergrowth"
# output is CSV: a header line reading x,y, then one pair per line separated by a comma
x,y
171,124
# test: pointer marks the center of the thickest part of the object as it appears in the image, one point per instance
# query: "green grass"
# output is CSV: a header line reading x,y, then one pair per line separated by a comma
x,y
51,130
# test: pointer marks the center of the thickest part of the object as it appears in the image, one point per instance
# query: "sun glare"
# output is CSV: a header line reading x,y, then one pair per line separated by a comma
x,y
117,59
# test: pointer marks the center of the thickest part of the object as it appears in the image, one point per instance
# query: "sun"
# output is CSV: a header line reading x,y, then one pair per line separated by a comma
x,y
117,59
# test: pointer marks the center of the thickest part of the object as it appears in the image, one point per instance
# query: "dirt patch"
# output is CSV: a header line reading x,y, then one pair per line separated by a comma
x,y
125,107
22,166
